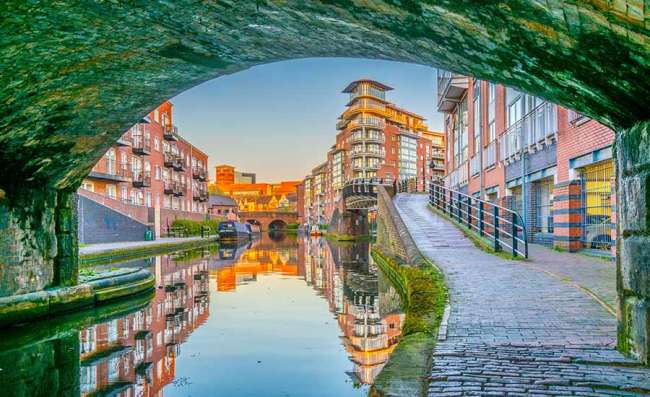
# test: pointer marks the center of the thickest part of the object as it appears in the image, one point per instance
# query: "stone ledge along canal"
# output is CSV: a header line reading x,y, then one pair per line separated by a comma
x,y
281,316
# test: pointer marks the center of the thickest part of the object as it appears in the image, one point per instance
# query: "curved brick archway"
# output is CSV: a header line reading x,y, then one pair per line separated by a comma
x,y
265,219
74,77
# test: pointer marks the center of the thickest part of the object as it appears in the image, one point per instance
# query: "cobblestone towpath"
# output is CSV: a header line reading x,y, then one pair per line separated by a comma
x,y
514,329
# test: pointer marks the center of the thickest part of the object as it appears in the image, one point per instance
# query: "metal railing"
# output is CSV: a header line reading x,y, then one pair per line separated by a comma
x,y
503,227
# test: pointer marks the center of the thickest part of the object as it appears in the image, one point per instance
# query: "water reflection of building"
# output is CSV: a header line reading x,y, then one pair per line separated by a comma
x,y
265,255
367,307
135,355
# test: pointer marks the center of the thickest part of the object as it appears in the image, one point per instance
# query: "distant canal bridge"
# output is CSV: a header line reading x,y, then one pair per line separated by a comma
x,y
269,220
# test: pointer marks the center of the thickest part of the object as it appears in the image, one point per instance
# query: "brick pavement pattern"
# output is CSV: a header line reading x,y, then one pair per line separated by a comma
x,y
514,330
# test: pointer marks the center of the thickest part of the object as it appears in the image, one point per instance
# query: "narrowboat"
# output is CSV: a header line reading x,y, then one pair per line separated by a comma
x,y
234,231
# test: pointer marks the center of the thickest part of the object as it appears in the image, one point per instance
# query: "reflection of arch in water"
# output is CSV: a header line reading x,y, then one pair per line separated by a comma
x,y
254,222
277,235
277,224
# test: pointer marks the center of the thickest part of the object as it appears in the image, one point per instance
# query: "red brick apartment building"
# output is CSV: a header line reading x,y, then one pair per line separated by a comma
x,y
150,175
375,139
567,165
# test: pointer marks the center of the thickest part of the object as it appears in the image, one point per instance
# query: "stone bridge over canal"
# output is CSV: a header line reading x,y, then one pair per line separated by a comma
x,y
75,76
269,220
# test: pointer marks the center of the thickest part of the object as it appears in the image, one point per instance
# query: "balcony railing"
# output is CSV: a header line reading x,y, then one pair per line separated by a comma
x,y
199,173
531,133
457,177
490,155
438,154
142,179
366,152
475,165
451,87
141,145
170,133
372,138
366,122
112,171
200,195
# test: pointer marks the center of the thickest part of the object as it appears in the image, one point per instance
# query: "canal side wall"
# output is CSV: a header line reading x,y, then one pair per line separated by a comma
x,y
423,292
393,238
99,223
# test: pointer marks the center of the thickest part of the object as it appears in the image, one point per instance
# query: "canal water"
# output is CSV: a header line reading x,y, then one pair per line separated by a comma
x,y
281,316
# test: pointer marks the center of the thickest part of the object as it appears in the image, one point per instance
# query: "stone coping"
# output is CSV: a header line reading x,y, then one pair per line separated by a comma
x,y
111,285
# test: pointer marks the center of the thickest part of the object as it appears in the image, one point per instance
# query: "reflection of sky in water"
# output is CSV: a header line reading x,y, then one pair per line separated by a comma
x,y
277,320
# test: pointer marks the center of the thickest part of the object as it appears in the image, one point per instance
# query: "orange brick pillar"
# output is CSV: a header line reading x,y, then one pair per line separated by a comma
x,y
567,215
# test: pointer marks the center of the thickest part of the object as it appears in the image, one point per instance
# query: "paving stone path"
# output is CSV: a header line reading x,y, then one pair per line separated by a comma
x,y
515,330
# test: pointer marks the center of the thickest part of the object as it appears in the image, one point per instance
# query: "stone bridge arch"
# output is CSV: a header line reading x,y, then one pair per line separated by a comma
x,y
265,219
75,76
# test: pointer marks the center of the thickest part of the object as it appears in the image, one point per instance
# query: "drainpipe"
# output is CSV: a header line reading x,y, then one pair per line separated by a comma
x,y
524,203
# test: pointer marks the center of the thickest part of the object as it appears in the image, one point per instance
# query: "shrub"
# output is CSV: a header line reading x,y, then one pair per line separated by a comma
x,y
292,226
193,228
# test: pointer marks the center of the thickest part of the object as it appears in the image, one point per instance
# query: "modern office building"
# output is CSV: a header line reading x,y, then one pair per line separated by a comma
x,y
375,139
551,164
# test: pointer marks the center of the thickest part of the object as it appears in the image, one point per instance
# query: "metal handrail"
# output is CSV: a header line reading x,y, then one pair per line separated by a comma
x,y
503,226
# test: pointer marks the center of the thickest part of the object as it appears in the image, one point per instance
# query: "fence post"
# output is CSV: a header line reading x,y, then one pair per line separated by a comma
x,y
469,212
458,205
497,246
480,218
514,234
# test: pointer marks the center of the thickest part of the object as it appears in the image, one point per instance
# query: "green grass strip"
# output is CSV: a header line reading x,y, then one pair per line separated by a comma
x,y
424,295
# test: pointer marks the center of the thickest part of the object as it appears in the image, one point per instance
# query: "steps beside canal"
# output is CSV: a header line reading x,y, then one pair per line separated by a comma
x,y
516,328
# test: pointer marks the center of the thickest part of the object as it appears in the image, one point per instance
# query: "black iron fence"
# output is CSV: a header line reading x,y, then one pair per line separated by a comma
x,y
503,227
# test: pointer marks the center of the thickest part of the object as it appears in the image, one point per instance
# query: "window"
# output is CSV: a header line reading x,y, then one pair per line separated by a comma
x,y
157,172
156,143
88,186
492,94
111,191
477,116
147,197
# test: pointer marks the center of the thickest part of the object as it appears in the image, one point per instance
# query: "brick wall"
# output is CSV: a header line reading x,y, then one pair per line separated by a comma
x,y
576,140
99,223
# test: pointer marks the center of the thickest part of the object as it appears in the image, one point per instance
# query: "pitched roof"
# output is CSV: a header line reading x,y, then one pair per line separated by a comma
x,y
221,200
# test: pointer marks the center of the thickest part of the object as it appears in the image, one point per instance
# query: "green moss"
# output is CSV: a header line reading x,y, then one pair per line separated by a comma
x,y
424,296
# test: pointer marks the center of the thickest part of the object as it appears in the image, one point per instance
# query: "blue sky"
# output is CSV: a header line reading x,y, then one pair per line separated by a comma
x,y
278,120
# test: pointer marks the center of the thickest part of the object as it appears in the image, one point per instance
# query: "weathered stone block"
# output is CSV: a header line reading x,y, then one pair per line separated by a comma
x,y
66,299
633,214
632,148
635,265
634,329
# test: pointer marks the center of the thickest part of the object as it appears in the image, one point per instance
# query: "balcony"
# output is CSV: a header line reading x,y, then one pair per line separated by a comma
x,y
200,195
179,164
168,187
368,153
451,88
169,159
110,170
366,122
372,138
475,165
179,189
365,167
438,154
490,155
199,173
170,133
529,134
142,179
457,177
141,146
